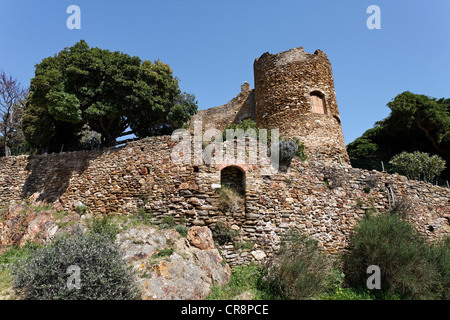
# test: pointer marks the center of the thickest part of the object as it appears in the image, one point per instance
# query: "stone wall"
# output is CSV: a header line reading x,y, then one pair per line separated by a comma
x,y
239,108
323,200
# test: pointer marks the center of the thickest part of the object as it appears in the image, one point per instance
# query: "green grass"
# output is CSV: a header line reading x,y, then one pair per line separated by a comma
x,y
7,258
347,294
44,207
162,253
6,284
243,279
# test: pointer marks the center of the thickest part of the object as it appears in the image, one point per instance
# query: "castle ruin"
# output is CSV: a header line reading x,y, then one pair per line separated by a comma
x,y
323,197
294,92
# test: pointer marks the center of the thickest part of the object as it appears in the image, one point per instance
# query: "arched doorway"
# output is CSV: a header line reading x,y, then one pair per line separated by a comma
x,y
232,191
233,177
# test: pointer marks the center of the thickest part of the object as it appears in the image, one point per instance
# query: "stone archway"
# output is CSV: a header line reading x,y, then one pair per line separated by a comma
x,y
232,191
233,177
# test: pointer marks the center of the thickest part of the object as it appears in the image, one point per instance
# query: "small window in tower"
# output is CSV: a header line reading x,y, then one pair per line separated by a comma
x,y
318,103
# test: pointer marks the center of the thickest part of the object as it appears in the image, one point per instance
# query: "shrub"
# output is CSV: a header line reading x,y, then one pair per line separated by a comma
x,y
403,207
103,225
299,270
163,253
230,199
141,216
182,230
223,234
81,209
243,245
103,273
334,178
289,148
441,257
244,125
407,264
167,222
418,165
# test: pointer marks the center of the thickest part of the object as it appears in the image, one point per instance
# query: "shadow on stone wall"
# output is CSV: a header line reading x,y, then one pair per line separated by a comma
x,y
247,111
51,174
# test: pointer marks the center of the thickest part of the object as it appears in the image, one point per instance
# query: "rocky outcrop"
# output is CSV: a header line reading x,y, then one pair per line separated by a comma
x,y
167,266
22,223
170,267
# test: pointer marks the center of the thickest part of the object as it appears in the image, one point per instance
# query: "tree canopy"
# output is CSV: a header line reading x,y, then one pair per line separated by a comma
x,y
110,92
416,123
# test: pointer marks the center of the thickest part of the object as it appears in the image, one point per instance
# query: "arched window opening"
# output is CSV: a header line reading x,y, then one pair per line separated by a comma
x,y
318,103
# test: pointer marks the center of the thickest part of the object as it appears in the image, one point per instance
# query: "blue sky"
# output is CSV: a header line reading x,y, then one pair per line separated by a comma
x,y
211,45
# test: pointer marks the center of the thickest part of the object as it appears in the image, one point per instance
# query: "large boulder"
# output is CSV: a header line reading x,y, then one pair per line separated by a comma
x,y
169,267
201,237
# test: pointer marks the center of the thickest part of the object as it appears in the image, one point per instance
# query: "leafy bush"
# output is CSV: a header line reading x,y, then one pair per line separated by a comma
x,y
167,222
223,234
141,216
103,273
418,165
407,263
243,245
163,253
289,148
403,207
81,209
300,269
440,253
245,125
334,178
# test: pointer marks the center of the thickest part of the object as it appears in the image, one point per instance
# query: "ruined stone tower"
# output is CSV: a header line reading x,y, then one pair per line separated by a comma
x,y
294,92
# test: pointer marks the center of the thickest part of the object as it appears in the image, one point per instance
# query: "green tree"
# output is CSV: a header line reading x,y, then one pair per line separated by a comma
x,y
160,106
108,91
416,123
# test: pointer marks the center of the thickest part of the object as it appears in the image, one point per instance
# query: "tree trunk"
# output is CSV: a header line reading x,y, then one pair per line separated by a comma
x,y
430,137
7,150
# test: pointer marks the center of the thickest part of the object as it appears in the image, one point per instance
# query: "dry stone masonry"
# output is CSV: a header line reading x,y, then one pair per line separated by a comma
x,y
324,197
323,200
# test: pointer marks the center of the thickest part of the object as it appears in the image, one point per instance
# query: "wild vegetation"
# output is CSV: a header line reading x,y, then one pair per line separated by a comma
x,y
86,97
411,268
416,123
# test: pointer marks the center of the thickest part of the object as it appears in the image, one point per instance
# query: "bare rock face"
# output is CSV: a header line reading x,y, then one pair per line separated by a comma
x,y
201,237
22,223
170,267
